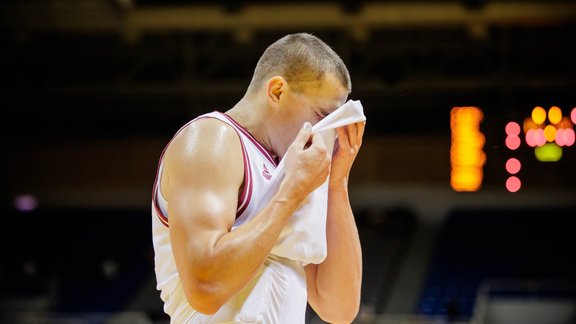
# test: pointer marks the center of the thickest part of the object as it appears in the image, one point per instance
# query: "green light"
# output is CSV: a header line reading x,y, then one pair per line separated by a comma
x,y
549,152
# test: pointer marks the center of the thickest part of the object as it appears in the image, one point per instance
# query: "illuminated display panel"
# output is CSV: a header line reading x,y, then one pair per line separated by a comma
x,y
467,157
547,134
531,151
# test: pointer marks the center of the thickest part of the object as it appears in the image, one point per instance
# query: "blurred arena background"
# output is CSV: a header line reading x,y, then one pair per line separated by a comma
x,y
92,90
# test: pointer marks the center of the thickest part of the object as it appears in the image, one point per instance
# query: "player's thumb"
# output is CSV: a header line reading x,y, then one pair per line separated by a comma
x,y
304,135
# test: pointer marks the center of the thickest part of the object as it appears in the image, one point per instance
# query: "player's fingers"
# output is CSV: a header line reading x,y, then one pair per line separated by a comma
x,y
318,142
303,136
342,137
352,137
360,132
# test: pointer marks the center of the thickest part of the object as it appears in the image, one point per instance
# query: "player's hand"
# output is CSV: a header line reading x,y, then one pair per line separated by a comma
x,y
307,163
345,152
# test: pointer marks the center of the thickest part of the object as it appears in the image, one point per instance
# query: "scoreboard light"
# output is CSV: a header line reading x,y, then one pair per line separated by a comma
x,y
539,115
512,129
513,165
549,152
550,133
565,137
513,140
554,115
467,157
513,184
546,131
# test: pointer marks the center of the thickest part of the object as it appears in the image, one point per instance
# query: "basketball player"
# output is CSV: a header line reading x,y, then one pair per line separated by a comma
x,y
212,247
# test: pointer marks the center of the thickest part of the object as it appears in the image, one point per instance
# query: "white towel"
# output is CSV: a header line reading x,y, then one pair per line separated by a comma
x,y
304,237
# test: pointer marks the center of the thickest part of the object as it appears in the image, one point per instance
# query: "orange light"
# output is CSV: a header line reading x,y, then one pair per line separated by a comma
x,y
466,179
466,155
550,133
538,115
554,115
565,123
529,124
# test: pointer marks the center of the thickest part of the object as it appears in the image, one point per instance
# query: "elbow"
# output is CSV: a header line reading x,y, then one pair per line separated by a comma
x,y
205,298
341,314
340,318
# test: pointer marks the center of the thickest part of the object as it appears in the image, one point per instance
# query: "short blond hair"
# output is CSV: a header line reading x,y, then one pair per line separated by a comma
x,y
299,58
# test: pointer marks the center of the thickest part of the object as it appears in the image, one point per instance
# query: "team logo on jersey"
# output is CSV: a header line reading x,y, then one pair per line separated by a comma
x,y
265,173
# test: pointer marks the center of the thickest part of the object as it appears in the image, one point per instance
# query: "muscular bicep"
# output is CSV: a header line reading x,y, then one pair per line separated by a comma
x,y
203,172
198,218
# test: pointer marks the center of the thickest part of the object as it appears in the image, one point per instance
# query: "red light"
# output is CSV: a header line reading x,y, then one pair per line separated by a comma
x,y
513,142
535,137
512,129
513,165
513,184
565,137
539,137
570,137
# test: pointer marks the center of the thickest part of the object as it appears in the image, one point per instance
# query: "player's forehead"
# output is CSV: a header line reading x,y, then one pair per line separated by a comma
x,y
328,93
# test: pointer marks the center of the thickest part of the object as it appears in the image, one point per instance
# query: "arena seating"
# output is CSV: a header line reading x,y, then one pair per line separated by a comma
x,y
477,247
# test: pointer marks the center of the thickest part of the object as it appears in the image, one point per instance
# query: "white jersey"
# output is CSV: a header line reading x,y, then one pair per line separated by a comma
x,y
276,295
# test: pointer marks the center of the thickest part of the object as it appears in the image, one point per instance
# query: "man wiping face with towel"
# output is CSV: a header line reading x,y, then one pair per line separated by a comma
x,y
251,214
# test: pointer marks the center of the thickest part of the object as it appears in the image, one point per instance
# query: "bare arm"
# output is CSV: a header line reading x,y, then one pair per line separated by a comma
x,y
201,180
334,285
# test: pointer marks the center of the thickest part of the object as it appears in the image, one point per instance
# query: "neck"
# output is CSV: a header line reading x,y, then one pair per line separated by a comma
x,y
254,117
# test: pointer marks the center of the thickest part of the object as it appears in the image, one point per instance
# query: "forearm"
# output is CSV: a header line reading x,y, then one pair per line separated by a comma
x,y
243,250
237,256
339,277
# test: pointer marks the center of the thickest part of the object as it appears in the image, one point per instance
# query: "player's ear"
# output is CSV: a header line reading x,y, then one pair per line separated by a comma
x,y
275,89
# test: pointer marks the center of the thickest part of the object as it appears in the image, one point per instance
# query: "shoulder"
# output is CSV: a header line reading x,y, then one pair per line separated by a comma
x,y
210,135
208,129
202,145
